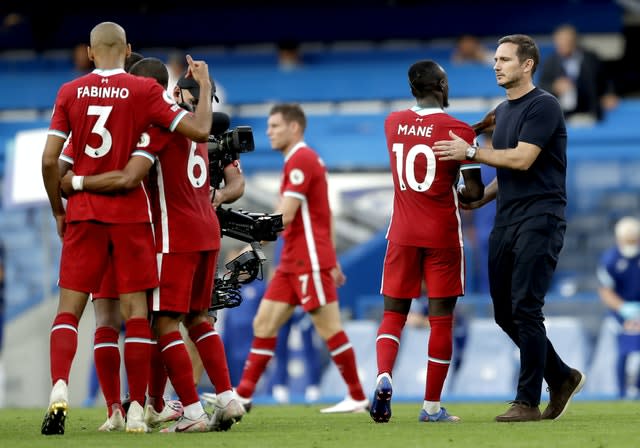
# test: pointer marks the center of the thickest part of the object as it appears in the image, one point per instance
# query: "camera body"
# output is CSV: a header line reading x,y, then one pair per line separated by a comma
x,y
249,226
225,148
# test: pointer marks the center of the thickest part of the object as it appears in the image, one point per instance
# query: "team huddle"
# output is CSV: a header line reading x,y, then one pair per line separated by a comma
x,y
135,176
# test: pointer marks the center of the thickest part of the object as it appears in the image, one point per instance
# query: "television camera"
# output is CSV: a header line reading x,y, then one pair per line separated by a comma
x,y
251,228
225,146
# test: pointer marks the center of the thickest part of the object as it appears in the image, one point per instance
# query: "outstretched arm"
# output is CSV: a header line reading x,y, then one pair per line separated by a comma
x,y
110,182
519,158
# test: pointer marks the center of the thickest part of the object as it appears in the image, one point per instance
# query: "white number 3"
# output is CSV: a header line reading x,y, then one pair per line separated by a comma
x,y
103,113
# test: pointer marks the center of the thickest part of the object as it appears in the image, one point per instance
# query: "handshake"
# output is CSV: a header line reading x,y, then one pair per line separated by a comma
x,y
630,310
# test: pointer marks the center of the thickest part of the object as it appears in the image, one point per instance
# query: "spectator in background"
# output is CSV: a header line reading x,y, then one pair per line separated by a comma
x,y
576,76
289,57
176,67
469,49
81,62
619,276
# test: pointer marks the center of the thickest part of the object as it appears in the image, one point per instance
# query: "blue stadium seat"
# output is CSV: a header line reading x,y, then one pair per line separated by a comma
x,y
489,366
568,336
409,372
601,375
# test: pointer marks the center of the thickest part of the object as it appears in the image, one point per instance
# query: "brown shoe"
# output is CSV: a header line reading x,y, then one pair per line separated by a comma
x,y
520,412
559,399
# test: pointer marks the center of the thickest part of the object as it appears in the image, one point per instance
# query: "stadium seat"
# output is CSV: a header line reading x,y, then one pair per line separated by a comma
x,y
362,334
490,364
409,372
568,336
601,376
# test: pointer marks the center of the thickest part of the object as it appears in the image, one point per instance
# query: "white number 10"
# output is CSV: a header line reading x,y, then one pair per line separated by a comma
x,y
408,165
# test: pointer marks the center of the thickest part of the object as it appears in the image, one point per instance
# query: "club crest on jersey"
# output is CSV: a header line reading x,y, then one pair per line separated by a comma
x,y
296,176
144,141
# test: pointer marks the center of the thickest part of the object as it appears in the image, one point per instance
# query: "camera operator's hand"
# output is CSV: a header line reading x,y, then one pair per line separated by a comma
x,y
338,276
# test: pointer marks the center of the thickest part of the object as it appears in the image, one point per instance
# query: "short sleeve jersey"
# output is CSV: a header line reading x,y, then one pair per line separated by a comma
x,y
106,111
308,245
425,203
183,217
620,274
535,118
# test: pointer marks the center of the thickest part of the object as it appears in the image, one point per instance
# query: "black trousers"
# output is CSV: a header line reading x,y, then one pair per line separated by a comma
x,y
522,260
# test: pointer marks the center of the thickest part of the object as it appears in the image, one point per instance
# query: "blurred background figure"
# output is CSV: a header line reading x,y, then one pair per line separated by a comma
x,y
289,57
176,65
619,276
469,49
577,77
81,61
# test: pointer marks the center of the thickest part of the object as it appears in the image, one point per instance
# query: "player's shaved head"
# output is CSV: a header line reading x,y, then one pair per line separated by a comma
x,y
108,35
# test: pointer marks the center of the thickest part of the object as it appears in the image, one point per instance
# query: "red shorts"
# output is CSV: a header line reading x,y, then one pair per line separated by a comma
x,y
107,288
186,281
89,246
309,289
405,267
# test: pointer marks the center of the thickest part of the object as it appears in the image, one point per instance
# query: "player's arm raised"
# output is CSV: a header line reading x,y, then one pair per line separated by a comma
x,y
197,126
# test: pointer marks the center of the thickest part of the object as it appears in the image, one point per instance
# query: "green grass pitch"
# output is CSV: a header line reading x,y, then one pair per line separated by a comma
x,y
595,424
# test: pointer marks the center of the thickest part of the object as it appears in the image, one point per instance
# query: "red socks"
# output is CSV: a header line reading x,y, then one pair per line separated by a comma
x,y
388,340
212,354
439,356
106,355
63,343
137,350
345,359
262,350
157,379
176,360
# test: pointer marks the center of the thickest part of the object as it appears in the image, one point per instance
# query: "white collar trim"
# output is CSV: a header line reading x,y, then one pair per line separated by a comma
x,y
297,146
109,72
422,111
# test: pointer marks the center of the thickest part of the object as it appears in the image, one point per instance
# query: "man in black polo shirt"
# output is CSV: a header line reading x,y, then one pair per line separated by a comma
x,y
529,141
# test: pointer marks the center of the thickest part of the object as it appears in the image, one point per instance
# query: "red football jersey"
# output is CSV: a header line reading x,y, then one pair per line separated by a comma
x,y
425,204
107,111
307,239
183,217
